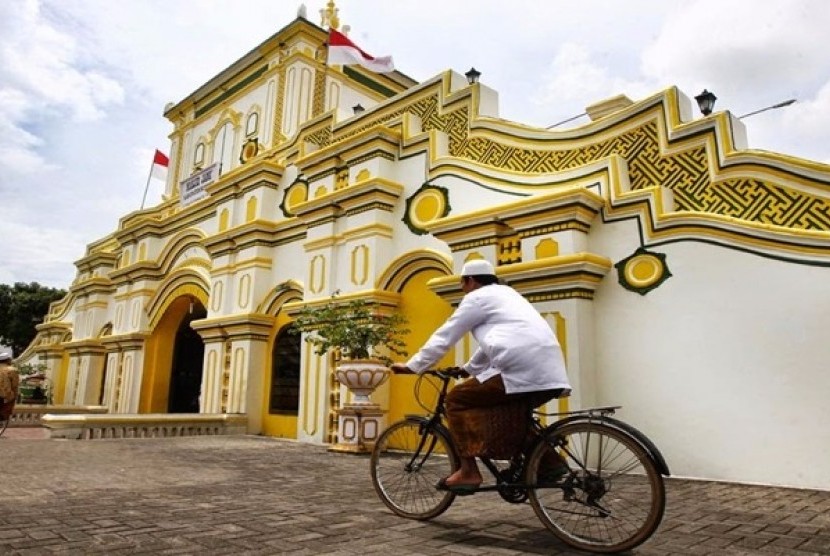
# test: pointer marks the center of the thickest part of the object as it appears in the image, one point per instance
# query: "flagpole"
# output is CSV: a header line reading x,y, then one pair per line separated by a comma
x,y
147,186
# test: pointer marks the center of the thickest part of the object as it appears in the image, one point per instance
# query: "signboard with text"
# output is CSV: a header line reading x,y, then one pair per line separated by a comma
x,y
193,188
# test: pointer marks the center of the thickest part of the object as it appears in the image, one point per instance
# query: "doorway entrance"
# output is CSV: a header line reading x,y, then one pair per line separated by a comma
x,y
186,371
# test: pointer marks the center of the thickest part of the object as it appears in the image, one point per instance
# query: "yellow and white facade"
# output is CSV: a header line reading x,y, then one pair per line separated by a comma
x,y
686,276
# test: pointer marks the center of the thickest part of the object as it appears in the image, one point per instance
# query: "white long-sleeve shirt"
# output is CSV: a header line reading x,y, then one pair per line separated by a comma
x,y
513,339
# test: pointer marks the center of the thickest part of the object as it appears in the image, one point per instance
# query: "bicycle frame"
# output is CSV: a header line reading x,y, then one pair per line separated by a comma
x,y
589,415
435,420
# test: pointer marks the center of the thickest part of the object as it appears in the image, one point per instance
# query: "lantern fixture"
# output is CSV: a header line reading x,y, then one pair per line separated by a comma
x,y
706,102
472,76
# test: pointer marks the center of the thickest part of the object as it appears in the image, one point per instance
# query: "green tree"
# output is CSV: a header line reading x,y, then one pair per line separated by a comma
x,y
22,307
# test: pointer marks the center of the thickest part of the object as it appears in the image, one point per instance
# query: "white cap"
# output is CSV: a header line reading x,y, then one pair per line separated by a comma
x,y
477,267
6,353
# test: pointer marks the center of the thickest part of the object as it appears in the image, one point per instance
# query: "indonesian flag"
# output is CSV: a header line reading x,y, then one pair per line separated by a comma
x,y
343,51
160,164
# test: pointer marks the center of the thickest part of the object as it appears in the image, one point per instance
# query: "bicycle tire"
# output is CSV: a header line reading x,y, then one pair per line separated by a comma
x,y
409,491
612,498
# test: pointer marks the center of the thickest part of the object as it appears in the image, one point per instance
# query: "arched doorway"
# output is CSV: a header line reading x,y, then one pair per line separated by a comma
x,y
285,373
186,370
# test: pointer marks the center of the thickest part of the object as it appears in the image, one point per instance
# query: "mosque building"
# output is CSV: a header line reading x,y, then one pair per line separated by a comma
x,y
685,275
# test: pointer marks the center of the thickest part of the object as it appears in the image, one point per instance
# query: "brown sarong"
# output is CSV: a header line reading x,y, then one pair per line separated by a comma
x,y
485,421
6,410
9,384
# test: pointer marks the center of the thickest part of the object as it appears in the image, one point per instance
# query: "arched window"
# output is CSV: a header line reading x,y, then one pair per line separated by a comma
x,y
252,125
199,155
285,373
223,148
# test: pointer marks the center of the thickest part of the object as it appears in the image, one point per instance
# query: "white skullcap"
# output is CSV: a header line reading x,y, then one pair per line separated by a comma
x,y
477,267
6,353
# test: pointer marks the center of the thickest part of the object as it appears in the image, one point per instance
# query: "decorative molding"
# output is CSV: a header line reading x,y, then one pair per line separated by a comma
x,y
563,277
429,204
642,271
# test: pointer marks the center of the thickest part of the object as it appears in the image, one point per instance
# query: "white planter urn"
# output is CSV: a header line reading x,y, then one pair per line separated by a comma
x,y
362,376
361,421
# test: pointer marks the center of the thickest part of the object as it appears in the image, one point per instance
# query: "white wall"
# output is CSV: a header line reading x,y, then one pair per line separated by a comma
x,y
724,365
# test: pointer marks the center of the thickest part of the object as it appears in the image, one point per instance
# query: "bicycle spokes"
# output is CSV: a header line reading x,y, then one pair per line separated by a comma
x,y
407,462
613,496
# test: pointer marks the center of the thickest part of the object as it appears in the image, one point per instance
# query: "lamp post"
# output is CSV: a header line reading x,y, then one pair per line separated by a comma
x,y
773,107
706,102
572,118
472,76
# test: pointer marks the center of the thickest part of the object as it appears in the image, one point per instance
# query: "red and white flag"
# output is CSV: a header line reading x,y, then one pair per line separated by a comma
x,y
160,164
342,51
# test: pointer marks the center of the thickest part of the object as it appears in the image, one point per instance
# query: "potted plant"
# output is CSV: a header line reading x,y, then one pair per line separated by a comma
x,y
362,338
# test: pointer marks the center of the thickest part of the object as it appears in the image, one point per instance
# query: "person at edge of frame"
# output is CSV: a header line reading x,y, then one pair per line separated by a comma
x,y
9,383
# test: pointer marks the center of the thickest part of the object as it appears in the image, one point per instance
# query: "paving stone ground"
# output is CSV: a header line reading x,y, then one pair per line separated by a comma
x,y
248,495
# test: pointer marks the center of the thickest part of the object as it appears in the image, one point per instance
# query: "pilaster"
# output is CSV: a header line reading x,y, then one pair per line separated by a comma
x,y
236,353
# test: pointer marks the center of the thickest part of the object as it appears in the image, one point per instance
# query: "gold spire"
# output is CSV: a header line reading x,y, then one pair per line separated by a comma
x,y
329,17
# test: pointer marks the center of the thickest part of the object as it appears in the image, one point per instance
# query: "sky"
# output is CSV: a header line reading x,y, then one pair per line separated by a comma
x,y
83,83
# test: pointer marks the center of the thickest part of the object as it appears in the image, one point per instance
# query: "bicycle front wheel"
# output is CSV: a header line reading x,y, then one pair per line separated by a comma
x,y
407,462
610,498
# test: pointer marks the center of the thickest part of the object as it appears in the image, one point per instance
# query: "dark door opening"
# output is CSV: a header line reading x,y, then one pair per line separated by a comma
x,y
186,374
285,373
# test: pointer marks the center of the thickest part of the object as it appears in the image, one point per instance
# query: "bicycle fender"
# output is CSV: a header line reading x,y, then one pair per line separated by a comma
x,y
644,441
650,447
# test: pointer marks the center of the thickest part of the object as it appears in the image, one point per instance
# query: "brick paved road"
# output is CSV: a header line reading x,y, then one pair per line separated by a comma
x,y
252,495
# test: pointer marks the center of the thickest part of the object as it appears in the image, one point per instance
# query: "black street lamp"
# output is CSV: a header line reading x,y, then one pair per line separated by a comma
x,y
472,76
706,101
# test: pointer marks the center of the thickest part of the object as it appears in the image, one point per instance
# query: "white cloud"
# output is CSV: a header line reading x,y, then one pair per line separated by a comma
x,y
750,54
41,77
35,251
574,79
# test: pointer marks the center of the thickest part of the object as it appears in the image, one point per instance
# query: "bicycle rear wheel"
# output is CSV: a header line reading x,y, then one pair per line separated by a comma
x,y
612,497
408,460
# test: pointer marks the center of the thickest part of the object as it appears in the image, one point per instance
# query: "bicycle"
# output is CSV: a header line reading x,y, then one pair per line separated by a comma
x,y
6,410
610,499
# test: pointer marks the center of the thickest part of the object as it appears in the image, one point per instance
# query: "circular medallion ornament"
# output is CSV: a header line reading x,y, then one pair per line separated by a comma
x,y
643,271
249,150
295,194
426,205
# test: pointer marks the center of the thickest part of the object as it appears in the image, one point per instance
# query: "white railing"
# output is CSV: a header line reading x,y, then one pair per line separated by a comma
x,y
30,415
144,425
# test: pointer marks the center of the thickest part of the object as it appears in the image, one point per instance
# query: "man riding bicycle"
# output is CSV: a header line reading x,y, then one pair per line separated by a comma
x,y
518,361
9,383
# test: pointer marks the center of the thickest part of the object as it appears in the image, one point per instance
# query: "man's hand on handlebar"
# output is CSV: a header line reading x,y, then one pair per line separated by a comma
x,y
455,372
400,368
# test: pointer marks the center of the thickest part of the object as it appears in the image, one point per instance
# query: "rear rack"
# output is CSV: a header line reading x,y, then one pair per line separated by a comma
x,y
590,412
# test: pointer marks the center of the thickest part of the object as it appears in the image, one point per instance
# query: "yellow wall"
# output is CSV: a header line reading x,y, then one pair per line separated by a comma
x,y
425,312
158,359
60,379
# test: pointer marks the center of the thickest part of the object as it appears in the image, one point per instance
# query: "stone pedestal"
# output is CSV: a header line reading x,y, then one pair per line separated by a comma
x,y
359,427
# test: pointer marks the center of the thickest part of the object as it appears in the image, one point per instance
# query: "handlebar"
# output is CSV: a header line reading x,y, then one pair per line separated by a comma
x,y
441,372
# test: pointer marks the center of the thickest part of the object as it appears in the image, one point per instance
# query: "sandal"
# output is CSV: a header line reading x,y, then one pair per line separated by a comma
x,y
460,490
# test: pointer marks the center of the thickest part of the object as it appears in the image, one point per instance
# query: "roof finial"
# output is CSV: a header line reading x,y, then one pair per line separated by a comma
x,y
329,17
